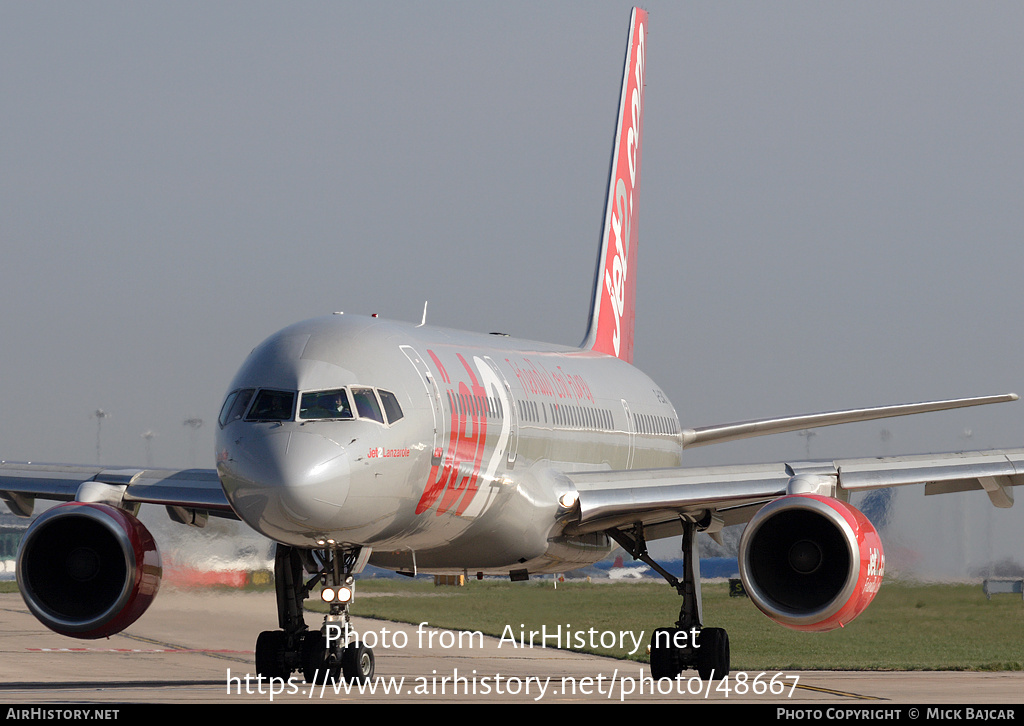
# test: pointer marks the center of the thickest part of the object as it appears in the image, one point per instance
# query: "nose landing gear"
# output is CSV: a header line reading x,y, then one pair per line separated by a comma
x,y
326,655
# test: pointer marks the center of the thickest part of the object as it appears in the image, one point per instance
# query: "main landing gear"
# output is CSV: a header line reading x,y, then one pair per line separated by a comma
x,y
689,644
325,655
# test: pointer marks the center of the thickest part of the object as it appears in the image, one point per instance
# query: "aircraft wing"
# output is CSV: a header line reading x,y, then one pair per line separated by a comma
x,y
725,495
185,492
721,433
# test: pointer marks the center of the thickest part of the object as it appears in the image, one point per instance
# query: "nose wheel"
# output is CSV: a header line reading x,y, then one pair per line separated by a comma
x,y
357,663
322,656
320,662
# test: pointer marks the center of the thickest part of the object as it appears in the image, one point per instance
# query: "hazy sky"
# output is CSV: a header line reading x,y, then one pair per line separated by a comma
x,y
830,206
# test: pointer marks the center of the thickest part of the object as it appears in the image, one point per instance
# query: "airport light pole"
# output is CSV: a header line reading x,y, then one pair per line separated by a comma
x,y
99,414
194,424
149,436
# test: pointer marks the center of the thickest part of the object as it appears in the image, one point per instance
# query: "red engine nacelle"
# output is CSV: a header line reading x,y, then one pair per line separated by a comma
x,y
811,562
88,570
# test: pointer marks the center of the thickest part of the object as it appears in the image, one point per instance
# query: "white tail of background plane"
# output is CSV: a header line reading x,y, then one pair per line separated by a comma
x,y
612,310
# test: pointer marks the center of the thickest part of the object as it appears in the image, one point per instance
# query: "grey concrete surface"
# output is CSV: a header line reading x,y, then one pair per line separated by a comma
x,y
197,647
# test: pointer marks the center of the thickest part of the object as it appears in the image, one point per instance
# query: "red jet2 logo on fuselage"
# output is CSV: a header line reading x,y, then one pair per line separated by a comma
x,y
456,479
483,405
467,438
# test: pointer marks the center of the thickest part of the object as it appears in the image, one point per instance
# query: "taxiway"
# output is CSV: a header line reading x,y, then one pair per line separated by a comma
x,y
197,647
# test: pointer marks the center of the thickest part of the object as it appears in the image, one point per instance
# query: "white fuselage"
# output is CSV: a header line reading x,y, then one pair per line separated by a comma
x,y
467,477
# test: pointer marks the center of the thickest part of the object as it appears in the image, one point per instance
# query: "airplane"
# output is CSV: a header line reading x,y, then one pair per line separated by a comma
x,y
352,441
619,571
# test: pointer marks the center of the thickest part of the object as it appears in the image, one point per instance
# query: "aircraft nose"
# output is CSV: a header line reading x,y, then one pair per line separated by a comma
x,y
286,484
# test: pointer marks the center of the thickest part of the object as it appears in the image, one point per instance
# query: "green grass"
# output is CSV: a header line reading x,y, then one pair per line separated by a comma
x,y
907,627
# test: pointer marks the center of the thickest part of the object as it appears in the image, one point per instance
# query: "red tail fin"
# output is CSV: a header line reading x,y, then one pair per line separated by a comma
x,y
612,309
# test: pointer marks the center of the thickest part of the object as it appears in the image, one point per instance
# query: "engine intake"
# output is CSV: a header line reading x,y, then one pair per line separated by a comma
x,y
88,570
811,562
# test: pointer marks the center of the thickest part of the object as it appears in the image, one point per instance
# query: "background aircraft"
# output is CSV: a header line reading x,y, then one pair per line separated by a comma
x,y
826,356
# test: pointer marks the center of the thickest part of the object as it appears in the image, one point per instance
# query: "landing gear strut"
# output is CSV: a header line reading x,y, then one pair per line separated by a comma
x,y
323,655
689,644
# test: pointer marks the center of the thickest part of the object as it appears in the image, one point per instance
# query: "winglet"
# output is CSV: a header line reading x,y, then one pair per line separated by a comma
x,y
612,305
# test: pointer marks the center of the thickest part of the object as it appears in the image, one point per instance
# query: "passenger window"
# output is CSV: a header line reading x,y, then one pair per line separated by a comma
x,y
325,405
366,404
234,406
391,406
272,406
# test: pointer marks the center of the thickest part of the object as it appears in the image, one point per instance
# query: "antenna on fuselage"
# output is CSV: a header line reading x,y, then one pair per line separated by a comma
x,y
424,321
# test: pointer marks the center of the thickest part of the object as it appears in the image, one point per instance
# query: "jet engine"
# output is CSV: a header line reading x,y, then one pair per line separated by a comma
x,y
811,562
88,570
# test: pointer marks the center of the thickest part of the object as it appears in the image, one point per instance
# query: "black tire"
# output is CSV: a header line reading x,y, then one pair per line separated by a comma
x,y
357,663
270,646
665,661
713,654
316,660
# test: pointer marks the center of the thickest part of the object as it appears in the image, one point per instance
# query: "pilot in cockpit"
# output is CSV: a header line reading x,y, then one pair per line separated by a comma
x,y
340,405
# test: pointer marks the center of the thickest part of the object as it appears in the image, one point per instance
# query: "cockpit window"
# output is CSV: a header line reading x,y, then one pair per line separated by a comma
x,y
391,407
325,405
272,406
234,405
366,404
336,404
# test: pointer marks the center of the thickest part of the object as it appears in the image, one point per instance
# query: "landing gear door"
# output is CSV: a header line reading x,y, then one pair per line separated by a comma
x,y
433,393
